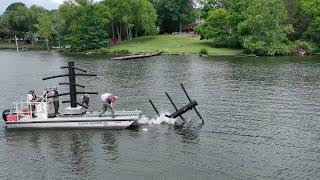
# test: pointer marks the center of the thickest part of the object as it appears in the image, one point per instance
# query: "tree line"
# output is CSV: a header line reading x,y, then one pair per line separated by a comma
x,y
265,27
86,25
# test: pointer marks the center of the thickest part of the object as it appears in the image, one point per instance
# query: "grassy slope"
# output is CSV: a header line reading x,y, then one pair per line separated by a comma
x,y
172,44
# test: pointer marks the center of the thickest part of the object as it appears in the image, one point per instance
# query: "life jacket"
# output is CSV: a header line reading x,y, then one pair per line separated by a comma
x,y
55,93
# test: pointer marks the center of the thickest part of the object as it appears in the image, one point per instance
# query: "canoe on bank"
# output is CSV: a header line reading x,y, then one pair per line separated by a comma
x,y
136,56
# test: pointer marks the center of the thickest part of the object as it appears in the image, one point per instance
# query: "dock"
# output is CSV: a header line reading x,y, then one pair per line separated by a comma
x,y
138,56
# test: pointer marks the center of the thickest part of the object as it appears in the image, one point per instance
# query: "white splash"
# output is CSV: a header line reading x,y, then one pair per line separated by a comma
x,y
158,120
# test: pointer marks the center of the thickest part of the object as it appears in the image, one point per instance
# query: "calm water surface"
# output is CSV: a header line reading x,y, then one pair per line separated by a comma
x,y
262,119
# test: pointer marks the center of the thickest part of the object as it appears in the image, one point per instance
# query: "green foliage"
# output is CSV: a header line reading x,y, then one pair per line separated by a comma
x,y
263,31
299,47
45,26
129,16
222,22
297,17
213,4
264,27
34,12
4,26
84,24
203,51
311,8
19,20
221,28
173,13
144,16
260,26
16,15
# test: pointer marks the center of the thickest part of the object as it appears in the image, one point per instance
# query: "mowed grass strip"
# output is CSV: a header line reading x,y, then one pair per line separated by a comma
x,y
172,44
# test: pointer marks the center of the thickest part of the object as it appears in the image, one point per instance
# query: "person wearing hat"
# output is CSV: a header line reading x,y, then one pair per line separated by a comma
x,y
55,99
108,100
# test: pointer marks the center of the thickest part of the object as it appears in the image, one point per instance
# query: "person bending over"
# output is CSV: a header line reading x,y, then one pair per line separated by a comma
x,y
108,103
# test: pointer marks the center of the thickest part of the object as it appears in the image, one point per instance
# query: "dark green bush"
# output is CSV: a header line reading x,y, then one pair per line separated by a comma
x,y
203,51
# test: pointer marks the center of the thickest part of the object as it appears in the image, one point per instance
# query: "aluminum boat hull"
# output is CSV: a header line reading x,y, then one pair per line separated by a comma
x,y
74,122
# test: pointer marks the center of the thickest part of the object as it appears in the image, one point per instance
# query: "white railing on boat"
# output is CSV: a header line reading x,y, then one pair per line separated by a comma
x,y
24,108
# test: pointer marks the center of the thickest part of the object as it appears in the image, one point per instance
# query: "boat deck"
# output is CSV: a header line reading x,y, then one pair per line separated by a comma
x,y
122,119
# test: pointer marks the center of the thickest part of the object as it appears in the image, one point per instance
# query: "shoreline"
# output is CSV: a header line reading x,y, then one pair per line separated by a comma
x,y
97,53
113,54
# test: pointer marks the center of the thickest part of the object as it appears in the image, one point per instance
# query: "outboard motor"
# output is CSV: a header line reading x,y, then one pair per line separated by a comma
x,y
5,113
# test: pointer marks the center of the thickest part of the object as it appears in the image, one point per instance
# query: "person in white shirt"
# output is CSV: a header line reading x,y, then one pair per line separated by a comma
x,y
108,102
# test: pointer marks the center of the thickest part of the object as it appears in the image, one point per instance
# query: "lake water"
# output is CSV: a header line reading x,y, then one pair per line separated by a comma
x,y
262,119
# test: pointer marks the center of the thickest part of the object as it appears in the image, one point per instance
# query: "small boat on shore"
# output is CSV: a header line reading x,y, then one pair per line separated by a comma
x,y
136,56
74,116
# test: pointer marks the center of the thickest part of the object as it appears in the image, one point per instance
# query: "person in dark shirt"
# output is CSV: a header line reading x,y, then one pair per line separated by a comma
x,y
55,99
85,100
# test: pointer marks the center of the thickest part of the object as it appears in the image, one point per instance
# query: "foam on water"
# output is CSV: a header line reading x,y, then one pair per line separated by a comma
x,y
158,120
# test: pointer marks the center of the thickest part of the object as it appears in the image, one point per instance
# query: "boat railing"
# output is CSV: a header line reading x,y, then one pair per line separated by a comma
x,y
24,108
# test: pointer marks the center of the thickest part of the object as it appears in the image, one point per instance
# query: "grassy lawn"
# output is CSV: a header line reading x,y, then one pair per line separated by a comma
x,y
28,46
172,44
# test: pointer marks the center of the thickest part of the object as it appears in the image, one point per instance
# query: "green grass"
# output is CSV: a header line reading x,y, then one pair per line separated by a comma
x,y
7,46
28,46
172,44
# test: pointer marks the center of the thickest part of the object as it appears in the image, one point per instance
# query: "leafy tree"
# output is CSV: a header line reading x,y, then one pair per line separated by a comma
x,y
84,24
144,17
222,22
297,17
17,19
263,31
213,4
120,12
173,13
128,16
4,26
311,8
46,27
32,17
220,28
